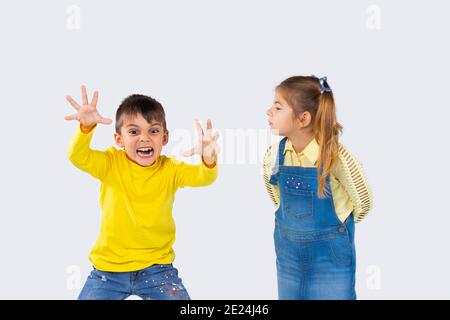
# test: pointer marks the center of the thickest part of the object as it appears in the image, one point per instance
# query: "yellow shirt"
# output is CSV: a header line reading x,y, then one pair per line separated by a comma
x,y
137,228
349,186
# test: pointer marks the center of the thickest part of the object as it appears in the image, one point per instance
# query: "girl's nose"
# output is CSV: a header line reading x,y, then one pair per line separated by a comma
x,y
268,111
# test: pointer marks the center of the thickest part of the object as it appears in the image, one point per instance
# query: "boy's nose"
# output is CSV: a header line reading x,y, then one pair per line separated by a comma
x,y
145,137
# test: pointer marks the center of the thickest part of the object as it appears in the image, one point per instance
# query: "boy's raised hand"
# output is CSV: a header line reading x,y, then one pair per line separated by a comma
x,y
87,113
206,144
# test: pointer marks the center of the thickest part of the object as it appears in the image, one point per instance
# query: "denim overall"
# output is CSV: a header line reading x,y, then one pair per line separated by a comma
x,y
315,251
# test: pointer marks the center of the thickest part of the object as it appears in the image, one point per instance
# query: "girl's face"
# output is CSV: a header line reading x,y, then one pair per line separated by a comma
x,y
281,116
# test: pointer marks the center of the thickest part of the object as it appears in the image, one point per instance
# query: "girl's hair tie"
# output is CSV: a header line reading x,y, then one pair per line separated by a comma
x,y
324,87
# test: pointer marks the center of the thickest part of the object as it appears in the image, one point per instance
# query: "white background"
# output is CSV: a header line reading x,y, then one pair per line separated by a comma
x,y
387,62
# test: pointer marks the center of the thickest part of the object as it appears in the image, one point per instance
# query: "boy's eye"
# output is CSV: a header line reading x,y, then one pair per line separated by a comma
x,y
154,130
132,132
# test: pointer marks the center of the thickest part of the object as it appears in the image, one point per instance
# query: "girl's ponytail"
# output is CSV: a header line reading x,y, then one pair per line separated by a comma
x,y
327,131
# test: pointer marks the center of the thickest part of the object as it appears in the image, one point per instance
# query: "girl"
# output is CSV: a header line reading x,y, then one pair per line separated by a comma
x,y
320,191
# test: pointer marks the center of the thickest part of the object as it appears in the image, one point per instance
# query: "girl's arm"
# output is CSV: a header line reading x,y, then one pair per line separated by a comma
x,y
350,174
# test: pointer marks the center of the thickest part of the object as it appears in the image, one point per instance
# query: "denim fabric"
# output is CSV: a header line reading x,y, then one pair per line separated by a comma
x,y
315,251
157,282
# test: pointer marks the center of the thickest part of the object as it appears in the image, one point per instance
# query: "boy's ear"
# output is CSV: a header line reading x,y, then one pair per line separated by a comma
x,y
166,138
118,139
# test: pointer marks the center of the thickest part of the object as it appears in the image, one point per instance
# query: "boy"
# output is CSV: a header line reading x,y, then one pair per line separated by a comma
x,y
133,254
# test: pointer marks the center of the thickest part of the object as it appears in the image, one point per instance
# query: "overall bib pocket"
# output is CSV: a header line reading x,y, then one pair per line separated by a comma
x,y
298,203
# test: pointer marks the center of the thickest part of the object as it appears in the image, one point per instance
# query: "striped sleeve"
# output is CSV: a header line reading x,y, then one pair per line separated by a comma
x,y
268,163
350,173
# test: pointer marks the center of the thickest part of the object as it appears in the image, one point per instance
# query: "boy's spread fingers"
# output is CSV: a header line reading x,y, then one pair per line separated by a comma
x,y
198,127
208,127
84,95
105,121
206,138
71,117
189,153
94,99
73,102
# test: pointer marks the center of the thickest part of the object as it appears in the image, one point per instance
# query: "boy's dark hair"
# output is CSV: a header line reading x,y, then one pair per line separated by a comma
x,y
135,104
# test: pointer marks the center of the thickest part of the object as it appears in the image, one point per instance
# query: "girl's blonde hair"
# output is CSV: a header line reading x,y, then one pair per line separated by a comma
x,y
313,95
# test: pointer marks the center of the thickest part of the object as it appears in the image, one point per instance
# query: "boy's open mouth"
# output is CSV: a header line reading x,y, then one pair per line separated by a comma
x,y
145,152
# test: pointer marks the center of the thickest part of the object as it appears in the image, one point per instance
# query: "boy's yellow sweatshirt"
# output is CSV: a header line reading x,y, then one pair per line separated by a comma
x,y
137,228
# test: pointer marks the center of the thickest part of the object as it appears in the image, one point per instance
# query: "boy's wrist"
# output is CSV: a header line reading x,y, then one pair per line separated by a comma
x,y
87,129
209,162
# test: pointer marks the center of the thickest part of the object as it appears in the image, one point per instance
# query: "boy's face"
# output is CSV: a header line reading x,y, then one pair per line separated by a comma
x,y
142,141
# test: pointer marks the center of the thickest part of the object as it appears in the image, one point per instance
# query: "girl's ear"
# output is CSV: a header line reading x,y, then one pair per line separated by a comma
x,y
118,139
304,119
166,138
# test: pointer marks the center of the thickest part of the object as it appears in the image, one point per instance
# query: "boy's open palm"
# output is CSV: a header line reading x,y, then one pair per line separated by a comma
x,y
206,143
87,113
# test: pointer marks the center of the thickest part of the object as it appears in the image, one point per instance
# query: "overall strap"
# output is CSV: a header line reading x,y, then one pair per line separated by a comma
x,y
278,162
280,156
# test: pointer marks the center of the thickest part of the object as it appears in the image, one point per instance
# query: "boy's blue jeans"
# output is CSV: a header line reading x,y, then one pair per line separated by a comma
x,y
157,282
